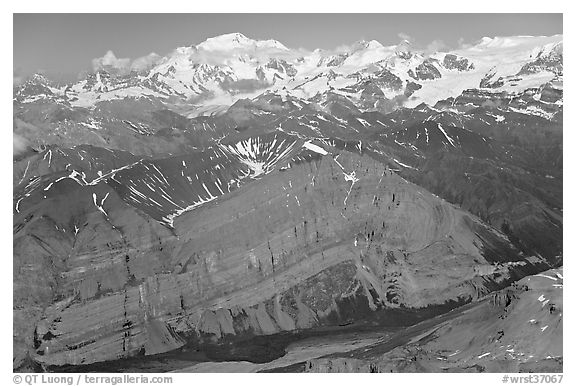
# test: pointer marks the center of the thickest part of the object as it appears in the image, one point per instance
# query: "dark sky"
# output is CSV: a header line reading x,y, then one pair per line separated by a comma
x,y
66,43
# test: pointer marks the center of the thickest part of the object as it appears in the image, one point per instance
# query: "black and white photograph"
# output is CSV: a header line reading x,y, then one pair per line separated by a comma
x,y
286,193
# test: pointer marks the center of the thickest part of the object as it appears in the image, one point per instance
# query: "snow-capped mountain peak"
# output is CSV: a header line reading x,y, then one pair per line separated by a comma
x,y
514,42
366,45
235,41
226,68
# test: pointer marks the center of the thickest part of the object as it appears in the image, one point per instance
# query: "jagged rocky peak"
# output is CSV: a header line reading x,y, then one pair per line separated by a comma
x,y
39,78
37,88
35,82
455,62
404,49
426,70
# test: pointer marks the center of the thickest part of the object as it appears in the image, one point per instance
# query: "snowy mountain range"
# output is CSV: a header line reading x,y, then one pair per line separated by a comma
x,y
239,188
230,67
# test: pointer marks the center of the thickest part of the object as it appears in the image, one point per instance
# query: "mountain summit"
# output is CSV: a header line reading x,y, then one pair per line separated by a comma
x,y
248,206
226,68
233,41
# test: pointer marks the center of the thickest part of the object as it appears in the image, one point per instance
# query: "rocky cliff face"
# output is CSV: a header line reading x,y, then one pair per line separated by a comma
x,y
322,240
518,329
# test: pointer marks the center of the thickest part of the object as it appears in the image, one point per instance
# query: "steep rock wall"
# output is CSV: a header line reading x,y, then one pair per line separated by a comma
x,y
329,240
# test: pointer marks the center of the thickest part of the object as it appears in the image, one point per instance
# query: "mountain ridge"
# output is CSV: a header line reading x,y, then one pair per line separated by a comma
x,y
246,192
196,71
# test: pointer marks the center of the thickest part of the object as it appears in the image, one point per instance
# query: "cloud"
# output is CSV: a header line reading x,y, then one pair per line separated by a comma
x,y
17,80
144,63
20,144
19,77
436,45
111,62
344,48
405,36
462,44
409,43
122,66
